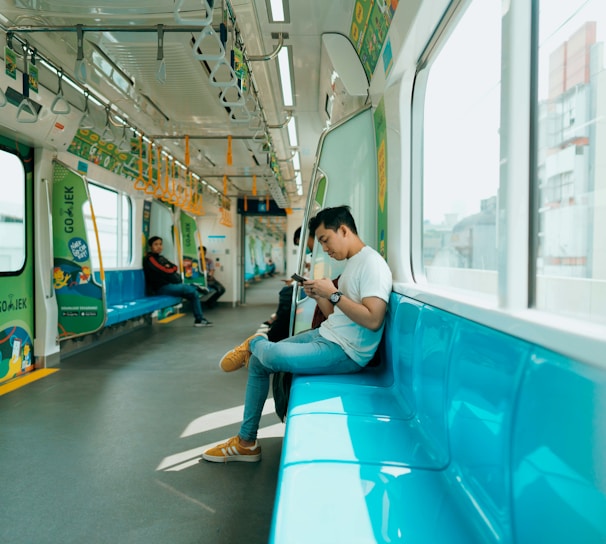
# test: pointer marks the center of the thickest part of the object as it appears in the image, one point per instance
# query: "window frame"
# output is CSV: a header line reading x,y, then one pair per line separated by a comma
x,y
514,313
20,270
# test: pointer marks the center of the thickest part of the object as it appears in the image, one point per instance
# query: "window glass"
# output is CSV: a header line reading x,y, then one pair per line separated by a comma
x,y
12,213
571,186
461,153
113,218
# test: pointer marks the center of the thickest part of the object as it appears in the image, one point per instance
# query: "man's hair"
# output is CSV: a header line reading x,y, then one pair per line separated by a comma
x,y
297,237
333,218
312,225
152,240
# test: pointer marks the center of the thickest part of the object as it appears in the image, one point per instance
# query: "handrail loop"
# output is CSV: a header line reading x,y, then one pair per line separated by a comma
x,y
60,105
207,20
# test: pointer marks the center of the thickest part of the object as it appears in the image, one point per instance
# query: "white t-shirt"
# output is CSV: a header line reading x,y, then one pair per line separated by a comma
x,y
366,274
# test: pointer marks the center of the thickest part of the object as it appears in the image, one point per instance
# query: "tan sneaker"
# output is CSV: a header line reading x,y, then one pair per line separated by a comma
x,y
232,450
239,356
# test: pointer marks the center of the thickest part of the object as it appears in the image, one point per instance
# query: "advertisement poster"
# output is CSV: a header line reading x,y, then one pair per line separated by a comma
x,y
192,270
381,142
370,24
79,298
146,225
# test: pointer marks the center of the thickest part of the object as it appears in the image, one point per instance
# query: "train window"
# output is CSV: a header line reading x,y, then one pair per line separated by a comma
x,y
571,186
460,157
12,213
113,216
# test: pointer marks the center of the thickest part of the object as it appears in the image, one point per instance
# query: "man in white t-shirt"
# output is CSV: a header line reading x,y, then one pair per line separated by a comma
x,y
343,344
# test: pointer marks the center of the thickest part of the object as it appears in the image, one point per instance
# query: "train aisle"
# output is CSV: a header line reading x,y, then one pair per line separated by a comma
x,y
107,449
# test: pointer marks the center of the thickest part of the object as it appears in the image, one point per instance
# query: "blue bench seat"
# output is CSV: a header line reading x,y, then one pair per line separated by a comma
x,y
126,299
464,435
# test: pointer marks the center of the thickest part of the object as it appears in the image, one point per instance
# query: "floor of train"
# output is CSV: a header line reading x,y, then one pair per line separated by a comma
x,y
107,449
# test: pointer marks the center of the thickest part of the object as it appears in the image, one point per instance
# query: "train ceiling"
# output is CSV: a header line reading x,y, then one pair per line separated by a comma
x,y
170,81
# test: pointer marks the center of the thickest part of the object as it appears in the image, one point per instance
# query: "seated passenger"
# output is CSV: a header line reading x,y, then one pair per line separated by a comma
x,y
214,285
270,270
163,278
279,323
344,343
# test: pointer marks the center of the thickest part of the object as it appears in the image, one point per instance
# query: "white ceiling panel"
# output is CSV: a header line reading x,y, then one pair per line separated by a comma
x,y
186,103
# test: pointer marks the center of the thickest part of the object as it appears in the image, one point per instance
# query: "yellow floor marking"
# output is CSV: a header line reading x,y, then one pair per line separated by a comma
x,y
170,318
25,379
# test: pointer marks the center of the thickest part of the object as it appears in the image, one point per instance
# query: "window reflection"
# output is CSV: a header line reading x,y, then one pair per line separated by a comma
x,y
12,213
571,177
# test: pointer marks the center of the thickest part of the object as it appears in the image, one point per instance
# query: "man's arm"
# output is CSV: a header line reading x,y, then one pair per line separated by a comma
x,y
161,264
369,313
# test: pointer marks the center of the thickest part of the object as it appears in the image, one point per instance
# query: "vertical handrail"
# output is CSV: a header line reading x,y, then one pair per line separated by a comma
x,y
50,292
139,184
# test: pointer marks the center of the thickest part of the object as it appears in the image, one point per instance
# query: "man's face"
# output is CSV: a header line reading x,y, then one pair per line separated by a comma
x,y
156,247
333,242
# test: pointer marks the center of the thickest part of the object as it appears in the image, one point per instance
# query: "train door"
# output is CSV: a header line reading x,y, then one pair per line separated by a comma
x,y
16,260
345,173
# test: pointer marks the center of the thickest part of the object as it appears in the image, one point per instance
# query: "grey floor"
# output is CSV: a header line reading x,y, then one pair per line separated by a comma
x,y
107,449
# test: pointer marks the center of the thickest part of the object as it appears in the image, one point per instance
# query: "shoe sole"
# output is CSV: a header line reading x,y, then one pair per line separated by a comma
x,y
229,458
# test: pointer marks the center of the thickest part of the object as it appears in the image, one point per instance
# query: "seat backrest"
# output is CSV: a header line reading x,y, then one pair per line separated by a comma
x,y
134,284
114,287
123,286
431,353
558,455
399,339
486,367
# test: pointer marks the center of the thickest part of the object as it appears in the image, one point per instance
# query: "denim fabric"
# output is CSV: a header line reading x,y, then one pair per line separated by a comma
x,y
305,353
186,291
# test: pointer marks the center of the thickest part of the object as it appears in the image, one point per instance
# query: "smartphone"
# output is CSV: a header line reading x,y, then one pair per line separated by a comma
x,y
298,278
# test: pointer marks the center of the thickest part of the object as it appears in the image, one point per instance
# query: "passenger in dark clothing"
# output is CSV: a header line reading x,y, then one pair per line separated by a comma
x,y
279,323
163,278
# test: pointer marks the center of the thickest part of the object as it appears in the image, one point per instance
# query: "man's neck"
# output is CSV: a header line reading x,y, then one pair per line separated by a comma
x,y
355,248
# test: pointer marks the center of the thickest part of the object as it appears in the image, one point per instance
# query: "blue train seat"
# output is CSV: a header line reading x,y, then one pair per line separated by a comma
x,y
126,298
463,435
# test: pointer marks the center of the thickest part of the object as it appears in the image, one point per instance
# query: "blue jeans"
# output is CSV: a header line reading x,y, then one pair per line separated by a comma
x,y
305,353
186,291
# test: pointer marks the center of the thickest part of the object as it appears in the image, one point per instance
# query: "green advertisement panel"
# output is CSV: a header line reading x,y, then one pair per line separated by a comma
x,y
16,261
369,26
192,270
381,143
80,300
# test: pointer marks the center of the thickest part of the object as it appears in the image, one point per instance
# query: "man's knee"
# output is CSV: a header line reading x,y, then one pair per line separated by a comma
x,y
256,367
189,291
